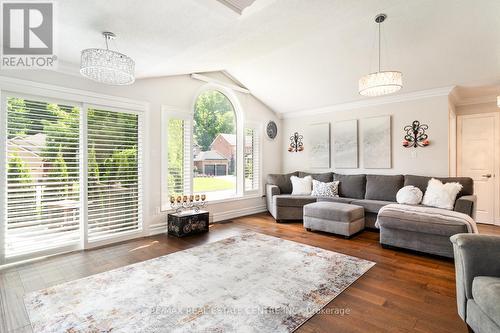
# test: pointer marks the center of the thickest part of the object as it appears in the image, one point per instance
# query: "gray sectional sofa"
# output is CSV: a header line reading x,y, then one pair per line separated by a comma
x,y
372,192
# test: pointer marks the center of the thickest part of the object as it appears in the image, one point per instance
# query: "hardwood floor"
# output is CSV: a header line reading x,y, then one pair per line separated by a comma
x,y
404,292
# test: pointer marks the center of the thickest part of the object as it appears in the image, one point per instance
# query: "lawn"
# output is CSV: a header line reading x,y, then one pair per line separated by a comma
x,y
211,184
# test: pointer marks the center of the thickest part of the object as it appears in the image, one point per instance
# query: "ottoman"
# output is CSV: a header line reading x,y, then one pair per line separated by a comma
x,y
334,217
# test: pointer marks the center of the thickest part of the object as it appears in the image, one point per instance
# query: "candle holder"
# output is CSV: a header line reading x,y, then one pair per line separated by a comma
x,y
185,202
415,135
296,144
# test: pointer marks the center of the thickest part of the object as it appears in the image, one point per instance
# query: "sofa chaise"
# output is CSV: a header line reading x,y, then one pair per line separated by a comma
x,y
372,192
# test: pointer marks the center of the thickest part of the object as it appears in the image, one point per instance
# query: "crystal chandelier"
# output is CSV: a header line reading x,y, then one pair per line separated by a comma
x,y
107,66
381,82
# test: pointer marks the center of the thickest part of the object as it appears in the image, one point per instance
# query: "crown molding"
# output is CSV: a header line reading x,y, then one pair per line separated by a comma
x,y
67,68
476,100
443,91
71,94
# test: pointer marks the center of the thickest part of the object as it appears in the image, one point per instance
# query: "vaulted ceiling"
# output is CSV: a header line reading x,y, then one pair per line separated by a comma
x,y
294,54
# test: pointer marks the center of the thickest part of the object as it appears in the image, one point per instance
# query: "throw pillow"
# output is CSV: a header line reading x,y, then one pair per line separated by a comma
x,y
321,189
441,195
301,186
409,195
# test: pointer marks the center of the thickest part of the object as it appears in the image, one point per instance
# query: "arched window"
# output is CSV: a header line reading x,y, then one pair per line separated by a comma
x,y
214,146
210,151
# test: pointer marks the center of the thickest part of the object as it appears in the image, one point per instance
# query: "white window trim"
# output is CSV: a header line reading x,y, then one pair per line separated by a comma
x,y
240,122
83,99
258,128
169,112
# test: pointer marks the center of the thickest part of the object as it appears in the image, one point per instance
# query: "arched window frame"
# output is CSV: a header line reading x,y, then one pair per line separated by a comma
x,y
238,115
187,116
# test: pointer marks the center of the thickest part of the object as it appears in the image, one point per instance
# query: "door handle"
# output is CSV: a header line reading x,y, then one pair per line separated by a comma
x,y
487,175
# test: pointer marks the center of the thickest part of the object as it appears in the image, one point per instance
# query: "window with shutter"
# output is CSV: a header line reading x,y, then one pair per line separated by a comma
x,y
252,162
179,154
114,192
43,175
72,176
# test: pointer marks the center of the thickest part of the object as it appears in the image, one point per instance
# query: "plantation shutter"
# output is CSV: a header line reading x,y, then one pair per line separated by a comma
x,y
179,152
43,163
251,154
114,162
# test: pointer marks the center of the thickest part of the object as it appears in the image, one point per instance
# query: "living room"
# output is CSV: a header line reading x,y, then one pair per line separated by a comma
x,y
250,166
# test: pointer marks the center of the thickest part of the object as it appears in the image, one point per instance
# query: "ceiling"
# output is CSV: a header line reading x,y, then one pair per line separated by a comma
x,y
294,54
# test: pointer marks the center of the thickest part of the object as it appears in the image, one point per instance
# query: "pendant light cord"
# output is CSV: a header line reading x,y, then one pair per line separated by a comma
x,y
379,46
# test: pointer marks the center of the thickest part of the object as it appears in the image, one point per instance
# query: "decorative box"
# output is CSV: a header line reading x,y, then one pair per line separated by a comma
x,y
187,223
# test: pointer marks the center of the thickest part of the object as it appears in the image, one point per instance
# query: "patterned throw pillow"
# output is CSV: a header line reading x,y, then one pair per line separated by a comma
x,y
321,189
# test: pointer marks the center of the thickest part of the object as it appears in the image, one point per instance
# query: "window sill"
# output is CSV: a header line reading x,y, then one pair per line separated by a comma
x,y
219,201
234,198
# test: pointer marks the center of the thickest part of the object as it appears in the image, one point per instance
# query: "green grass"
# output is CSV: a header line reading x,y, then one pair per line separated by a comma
x,y
210,184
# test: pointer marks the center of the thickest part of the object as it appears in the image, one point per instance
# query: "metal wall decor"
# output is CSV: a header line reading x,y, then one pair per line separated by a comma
x,y
296,144
271,130
415,135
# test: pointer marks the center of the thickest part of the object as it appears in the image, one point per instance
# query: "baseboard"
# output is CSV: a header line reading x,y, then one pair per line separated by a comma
x,y
232,214
214,218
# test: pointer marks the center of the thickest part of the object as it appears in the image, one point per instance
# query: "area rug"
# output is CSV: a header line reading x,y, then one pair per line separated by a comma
x,y
246,283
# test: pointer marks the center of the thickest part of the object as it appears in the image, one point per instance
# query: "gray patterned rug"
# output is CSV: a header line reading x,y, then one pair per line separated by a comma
x,y
247,283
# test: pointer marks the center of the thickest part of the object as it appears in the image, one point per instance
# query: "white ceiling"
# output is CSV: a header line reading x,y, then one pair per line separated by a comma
x,y
294,54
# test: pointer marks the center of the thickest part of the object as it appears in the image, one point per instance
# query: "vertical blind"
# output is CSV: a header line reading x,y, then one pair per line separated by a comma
x,y
43,168
251,157
114,173
45,175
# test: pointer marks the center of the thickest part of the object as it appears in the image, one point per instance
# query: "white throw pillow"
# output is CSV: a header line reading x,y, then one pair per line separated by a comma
x,y
409,195
321,189
441,195
301,186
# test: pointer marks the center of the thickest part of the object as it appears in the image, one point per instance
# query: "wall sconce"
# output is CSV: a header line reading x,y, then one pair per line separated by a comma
x,y
415,135
296,144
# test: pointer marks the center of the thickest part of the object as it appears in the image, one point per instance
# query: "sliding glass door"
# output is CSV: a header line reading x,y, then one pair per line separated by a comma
x,y
114,169
72,175
43,163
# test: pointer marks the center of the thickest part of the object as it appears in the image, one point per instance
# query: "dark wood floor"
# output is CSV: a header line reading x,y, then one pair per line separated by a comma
x,y
404,292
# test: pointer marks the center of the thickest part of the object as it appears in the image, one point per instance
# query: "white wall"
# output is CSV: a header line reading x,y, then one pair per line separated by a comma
x,y
431,160
178,92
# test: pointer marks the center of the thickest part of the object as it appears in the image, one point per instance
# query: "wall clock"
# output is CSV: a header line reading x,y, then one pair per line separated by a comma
x,y
271,129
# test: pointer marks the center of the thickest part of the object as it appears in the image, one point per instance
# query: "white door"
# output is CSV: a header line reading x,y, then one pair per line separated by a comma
x,y
478,158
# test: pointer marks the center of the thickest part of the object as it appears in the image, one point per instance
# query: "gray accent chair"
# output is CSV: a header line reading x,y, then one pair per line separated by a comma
x,y
371,192
477,267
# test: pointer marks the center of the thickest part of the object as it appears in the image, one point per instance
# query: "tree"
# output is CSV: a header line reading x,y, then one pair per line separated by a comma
x,y
17,171
121,166
18,117
19,179
59,172
93,168
62,131
214,114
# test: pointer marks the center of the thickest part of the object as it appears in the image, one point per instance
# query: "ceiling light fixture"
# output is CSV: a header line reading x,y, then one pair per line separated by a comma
x,y
107,66
498,101
381,82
